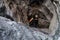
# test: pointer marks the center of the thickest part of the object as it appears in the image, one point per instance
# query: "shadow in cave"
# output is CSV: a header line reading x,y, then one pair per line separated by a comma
x,y
37,2
3,13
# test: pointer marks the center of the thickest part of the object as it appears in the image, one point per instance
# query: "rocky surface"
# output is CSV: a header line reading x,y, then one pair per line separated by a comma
x,y
57,34
10,30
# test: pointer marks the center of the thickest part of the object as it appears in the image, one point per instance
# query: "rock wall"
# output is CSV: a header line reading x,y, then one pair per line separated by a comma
x,y
10,30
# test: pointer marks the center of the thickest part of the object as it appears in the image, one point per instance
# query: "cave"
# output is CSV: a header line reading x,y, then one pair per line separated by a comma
x,y
39,19
36,14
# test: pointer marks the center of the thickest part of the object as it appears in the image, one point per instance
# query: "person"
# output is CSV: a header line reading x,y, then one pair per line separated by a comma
x,y
34,21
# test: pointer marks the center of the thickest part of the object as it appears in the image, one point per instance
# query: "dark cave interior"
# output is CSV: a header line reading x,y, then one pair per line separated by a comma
x,y
37,18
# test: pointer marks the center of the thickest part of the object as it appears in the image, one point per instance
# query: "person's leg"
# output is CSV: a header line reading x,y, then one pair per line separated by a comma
x,y
36,23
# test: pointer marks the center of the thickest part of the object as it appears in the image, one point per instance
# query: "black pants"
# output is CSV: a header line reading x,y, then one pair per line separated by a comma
x,y
34,23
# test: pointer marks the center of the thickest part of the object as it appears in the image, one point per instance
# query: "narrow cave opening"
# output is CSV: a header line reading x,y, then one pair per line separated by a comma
x,y
39,19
